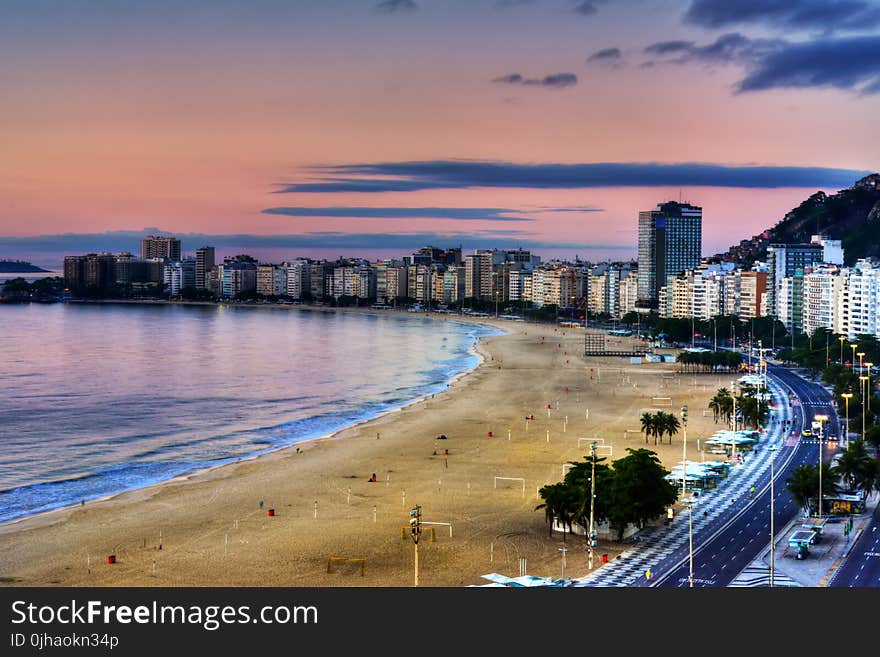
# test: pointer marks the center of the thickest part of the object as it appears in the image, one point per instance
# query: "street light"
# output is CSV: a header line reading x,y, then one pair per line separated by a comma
x,y
592,500
842,339
563,550
821,419
772,451
415,527
853,346
846,397
690,503
733,438
868,367
864,381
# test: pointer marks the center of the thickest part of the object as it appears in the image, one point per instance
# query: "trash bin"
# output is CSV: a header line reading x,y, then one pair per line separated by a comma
x,y
271,512
111,558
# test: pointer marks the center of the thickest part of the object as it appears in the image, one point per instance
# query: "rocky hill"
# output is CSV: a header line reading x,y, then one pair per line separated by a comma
x,y
851,215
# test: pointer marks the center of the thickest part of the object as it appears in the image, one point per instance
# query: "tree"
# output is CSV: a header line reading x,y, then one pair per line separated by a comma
x,y
578,477
804,484
855,467
648,425
668,424
640,493
561,502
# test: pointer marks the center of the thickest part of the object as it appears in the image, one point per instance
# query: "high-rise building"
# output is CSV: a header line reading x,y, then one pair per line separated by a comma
x,y
158,246
204,264
179,274
478,275
93,270
822,288
783,260
752,287
670,241
237,275
859,303
299,279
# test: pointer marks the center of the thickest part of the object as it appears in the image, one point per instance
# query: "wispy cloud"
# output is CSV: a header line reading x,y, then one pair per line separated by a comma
x,y
846,63
606,55
554,81
586,8
463,174
456,214
53,247
850,63
820,15
394,6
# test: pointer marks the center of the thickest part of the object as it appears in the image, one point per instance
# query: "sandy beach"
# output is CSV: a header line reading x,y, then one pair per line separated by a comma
x,y
209,529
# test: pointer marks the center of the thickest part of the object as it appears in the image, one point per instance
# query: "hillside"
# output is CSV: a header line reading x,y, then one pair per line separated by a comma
x,y
852,216
19,267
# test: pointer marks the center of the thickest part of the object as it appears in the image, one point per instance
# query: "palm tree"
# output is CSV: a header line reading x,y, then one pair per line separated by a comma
x,y
715,404
802,485
648,425
669,424
560,504
852,464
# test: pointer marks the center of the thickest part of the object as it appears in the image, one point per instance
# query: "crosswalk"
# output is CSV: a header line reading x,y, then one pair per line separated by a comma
x,y
657,543
759,575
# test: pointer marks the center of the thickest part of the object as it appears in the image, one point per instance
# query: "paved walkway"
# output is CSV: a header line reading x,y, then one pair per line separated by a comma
x,y
658,543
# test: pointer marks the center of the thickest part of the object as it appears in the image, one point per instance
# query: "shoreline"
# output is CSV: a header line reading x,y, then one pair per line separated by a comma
x,y
302,444
207,529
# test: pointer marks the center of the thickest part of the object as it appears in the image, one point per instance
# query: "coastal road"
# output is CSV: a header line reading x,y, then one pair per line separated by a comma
x,y
721,553
862,565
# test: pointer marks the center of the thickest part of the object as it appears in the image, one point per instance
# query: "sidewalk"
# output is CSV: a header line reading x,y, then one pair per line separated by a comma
x,y
818,568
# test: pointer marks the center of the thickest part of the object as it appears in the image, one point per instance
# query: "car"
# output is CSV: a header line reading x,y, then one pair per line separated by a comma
x,y
832,438
806,433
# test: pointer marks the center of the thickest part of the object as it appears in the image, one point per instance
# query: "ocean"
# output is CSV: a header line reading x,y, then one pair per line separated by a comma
x,y
99,399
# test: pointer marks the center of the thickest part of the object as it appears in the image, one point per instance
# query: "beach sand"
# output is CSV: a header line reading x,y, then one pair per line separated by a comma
x,y
212,531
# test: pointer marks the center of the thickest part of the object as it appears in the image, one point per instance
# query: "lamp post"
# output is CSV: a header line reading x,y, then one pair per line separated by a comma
x,y
821,419
853,346
863,381
563,550
842,339
772,451
592,537
846,397
690,504
868,367
733,437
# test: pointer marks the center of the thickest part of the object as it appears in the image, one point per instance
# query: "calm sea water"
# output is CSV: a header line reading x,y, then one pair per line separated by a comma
x,y
100,399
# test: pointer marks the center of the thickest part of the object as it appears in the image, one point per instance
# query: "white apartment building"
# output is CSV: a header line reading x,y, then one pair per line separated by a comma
x,y
821,292
859,304
299,279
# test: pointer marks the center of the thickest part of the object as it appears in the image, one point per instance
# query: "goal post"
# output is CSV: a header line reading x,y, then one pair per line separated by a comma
x,y
519,479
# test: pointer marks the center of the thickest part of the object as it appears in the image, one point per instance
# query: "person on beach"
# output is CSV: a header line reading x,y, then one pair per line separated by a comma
x,y
373,478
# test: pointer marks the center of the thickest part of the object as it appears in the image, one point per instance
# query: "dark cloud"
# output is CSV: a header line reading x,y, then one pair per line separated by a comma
x,y
554,81
822,15
586,8
850,63
458,214
606,55
731,48
50,249
393,6
669,47
462,174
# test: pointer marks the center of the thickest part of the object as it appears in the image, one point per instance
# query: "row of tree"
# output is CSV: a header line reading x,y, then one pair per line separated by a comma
x,y
750,410
709,361
659,424
632,491
16,290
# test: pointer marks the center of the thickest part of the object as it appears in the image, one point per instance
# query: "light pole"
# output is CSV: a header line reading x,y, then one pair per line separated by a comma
x,y
563,550
853,346
415,527
863,380
868,367
592,537
772,514
846,397
842,339
715,333
690,504
821,419
733,437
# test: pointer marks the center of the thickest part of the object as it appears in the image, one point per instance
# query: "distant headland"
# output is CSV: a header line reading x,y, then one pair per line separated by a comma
x,y
19,267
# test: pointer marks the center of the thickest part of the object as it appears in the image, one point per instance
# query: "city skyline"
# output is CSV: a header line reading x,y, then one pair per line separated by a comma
x,y
323,129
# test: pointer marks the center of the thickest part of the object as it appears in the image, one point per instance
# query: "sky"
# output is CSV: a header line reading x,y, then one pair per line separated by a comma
x,y
372,127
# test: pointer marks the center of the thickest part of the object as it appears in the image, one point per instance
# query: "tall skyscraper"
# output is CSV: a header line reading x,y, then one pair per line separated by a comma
x,y
670,241
204,264
783,260
158,246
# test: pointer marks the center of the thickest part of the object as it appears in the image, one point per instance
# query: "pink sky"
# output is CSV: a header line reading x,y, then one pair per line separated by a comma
x,y
128,121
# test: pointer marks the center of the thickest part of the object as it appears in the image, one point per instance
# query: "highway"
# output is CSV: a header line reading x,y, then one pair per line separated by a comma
x,y
726,547
862,566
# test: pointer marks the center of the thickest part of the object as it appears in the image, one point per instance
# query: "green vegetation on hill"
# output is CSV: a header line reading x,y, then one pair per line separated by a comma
x,y
852,216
